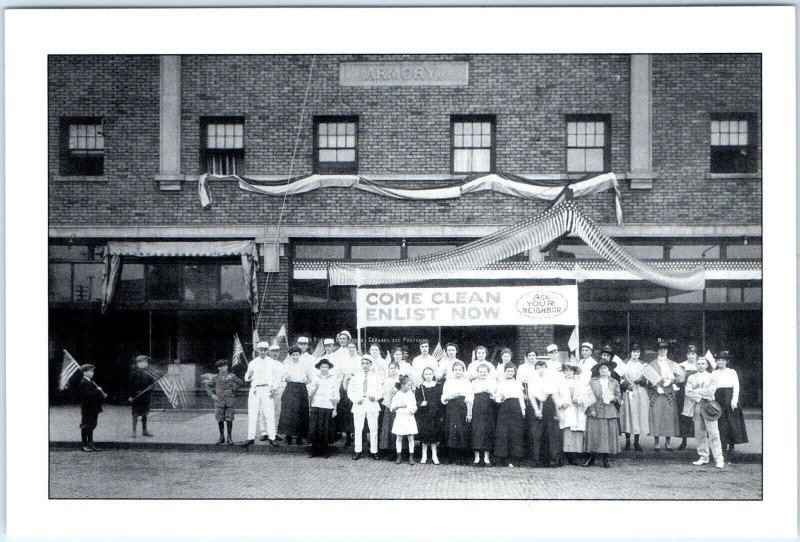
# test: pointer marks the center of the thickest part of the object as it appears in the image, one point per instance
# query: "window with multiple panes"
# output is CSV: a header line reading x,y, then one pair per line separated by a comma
x,y
588,143
473,143
336,145
75,273
222,145
733,148
82,146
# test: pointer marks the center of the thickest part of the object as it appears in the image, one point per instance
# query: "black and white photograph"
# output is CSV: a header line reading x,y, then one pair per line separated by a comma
x,y
441,275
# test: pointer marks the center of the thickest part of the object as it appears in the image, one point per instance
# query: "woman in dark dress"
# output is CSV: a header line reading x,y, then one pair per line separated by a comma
x,y
731,424
457,397
429,415
484,414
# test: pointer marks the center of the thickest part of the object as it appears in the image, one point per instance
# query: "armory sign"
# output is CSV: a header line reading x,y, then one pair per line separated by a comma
x,y
467,306
389,74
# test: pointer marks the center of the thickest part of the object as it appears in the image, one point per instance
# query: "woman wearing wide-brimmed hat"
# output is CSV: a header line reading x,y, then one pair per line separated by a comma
x,y
726,383
635,409
602,427
663,376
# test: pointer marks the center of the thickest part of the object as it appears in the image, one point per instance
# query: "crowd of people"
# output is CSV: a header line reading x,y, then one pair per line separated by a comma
x,y
544,412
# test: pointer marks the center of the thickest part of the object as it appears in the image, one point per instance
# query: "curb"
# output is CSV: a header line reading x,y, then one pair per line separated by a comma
x,y
266,449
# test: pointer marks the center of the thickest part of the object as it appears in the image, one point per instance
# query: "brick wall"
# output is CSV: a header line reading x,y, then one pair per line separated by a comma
x,y
273,291
401,130
536,338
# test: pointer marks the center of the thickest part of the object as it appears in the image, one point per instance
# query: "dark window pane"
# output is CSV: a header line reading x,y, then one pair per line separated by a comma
x,y
647,295
319,252
163,282
744,252
310,291
131,282
68,252
694,252
88,282
200,283
752,294
375,252
721,294
232,286
415,251
59,282
343,293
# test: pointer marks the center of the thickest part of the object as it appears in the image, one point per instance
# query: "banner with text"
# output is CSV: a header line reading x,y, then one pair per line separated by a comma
x,y
468,306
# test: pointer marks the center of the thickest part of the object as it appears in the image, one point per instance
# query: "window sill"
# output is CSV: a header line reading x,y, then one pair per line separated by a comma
x,y
79,178
733,176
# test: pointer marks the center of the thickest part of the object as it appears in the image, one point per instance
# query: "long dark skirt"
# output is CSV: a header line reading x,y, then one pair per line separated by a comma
x,y
430,425
544,435
484,414
457,431
294,410
731,424
344,413
602,435
321,431
663,416
510,430
386,439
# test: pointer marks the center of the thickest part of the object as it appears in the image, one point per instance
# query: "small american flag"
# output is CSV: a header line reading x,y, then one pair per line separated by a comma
x,y
438,353
68,370
174,389
573,341
238,352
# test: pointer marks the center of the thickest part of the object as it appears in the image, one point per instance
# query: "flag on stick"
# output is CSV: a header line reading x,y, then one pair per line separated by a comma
x,y
712,362
68,370
281,334
238,352
574,342
438,352
319,350
174,389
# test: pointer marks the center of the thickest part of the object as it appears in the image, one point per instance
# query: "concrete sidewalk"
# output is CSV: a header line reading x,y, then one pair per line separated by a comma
x,y
197,430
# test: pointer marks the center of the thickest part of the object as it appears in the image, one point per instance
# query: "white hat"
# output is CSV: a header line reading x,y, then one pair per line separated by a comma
x,y
274,347
327,341
368,357
302,339
345,332
552,348
588,345
262,344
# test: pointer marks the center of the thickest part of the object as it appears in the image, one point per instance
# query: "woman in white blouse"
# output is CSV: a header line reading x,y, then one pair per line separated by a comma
x,y
635,411
573,400
483,415
731,424
509,440
457,397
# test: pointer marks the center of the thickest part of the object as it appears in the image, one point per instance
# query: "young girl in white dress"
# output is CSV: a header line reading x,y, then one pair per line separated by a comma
x,y
404,405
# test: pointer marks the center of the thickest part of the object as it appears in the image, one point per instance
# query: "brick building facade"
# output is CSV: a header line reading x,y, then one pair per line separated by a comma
x,y
681,132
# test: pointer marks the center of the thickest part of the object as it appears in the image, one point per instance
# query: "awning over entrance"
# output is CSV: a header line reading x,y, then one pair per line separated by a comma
x,y
116,250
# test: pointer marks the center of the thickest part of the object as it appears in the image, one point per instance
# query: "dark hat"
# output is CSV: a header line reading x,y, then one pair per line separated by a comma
x,y
323,361
294,349
574,365
607,362
607,349
663,343
221,363
87,367
724,354
137,359
711,410
636,346
691,348
402,379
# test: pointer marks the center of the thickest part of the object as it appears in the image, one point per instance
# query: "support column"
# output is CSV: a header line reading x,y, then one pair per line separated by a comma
x,y
169,151
641,175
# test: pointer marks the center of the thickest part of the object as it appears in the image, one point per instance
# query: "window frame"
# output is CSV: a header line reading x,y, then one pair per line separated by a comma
x,y
589,117
335,168
492,120
752,142
79,164
206,153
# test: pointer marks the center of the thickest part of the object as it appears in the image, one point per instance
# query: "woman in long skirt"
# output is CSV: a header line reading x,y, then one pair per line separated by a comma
x,y
324,392
573,399
509,442
385,438
635,412
345,367
457,397
294,402
544,434
484,413
602,435
732,430
663,419
429,415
